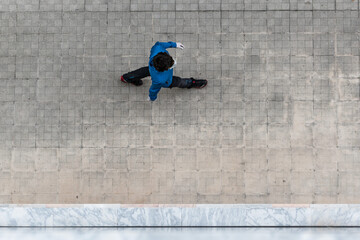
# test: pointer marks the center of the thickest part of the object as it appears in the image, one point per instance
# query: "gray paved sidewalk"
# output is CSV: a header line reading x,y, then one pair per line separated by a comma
x,y
279,121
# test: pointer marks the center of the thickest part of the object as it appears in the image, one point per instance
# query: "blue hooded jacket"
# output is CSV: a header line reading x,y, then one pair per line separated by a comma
x,y
159,79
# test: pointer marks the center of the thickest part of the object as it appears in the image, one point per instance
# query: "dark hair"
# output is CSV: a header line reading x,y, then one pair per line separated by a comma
x,y
162,61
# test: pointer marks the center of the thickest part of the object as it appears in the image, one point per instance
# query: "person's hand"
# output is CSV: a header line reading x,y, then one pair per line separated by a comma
x,y
179,45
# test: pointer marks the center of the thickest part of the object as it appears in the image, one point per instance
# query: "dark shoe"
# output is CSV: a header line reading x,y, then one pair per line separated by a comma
x,y
201,83
136,83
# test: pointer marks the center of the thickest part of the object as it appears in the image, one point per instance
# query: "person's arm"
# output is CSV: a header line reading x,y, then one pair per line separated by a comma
x,y
153,91
161,46
166,44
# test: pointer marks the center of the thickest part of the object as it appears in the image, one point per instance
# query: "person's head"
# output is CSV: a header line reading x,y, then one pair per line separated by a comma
x,y
163,61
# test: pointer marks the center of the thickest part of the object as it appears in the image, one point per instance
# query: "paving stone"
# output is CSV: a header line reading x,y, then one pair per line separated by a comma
x,y
344,188
187,22
347,44
255,21
50,22
27,5
303,183
278,21
346,5
163,160
27,22
25,113
209,183
8,22
279,159
349,135
7,67
23,164
187,5
5,163
347,21
301,5
211,5
324,4
232,136
232,5
8,45
278,5
7,110
73,22
301,22
255,183
210,22
8,5
325,135
7,91
324,44
164,22
255,135
73,5
25,89
254,5
51,5
96,5
47,159
348,160
159,5
141,5
324,21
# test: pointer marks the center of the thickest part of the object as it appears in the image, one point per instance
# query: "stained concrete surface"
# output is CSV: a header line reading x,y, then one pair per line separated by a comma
x,y
279,121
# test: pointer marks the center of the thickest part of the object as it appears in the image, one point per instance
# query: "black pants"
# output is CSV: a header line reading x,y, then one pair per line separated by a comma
x,y
144,72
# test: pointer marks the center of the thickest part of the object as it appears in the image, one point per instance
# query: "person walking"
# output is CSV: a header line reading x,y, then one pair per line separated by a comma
x,y
161,66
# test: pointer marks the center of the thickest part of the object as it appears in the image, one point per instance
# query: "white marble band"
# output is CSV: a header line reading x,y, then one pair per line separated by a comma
x,y
179,215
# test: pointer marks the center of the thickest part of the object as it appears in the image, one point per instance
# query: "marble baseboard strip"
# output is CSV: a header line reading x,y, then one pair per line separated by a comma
x,y
246,215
